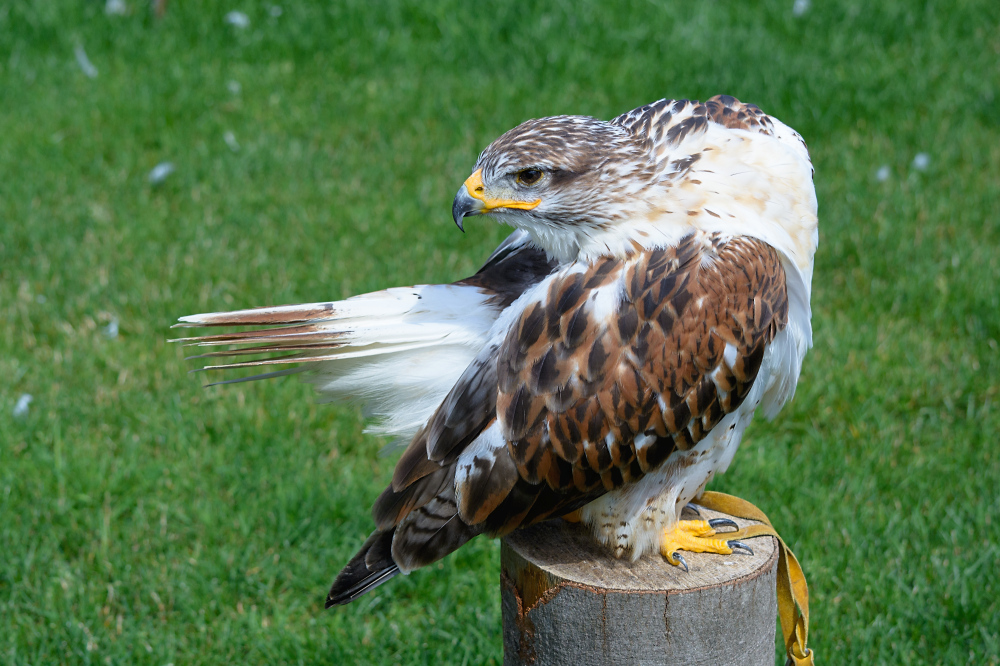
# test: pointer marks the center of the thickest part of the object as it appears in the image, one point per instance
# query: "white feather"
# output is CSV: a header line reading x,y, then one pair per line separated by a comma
x,y
396,352
405,362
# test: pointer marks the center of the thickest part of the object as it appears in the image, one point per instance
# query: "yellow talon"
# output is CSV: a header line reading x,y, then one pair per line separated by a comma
x,y
694,536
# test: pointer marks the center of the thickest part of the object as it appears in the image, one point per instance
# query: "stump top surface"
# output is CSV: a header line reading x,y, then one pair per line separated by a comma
x,y
568,551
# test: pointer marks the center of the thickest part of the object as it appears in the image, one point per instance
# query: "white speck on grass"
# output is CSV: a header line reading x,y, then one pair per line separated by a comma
x,y
800,7
882,174
111,330
231,141
160,172
234,87
115,8
40,299
21,408
84,62
238,20
921,161
275,11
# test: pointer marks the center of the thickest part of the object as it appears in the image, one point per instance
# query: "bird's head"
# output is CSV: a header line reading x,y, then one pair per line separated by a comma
x,y
583,188
557,178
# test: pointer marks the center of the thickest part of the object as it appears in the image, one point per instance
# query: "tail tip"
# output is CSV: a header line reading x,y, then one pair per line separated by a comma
x,y
359,576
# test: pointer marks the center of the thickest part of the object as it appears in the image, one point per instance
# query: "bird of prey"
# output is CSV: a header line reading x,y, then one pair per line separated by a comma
x,y
604,362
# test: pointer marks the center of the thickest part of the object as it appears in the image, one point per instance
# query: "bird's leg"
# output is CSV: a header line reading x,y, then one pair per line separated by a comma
x,y
697,536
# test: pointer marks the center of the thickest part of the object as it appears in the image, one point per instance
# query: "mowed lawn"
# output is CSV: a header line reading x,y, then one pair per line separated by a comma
x,y
146,520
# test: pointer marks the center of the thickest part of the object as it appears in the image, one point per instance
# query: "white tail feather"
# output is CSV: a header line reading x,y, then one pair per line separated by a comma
x,y
397,352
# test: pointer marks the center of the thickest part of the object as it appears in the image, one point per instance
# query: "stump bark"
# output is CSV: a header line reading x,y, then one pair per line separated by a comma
x,y
568,602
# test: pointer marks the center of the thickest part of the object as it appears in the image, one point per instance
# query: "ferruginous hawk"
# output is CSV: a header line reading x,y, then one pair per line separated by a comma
x,y
605,360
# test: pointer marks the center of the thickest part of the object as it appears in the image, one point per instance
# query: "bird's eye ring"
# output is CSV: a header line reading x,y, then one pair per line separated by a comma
x,y
529,176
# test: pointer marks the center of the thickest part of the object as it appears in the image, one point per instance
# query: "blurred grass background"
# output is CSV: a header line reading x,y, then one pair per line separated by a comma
x,y
146,520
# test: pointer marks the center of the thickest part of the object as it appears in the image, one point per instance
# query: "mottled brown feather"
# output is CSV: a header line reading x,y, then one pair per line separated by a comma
x,y
652,120
679,308
572,392
430,531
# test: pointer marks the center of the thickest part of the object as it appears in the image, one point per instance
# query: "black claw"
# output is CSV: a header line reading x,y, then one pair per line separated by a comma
x,y
682,561
693,509
716,523
739,545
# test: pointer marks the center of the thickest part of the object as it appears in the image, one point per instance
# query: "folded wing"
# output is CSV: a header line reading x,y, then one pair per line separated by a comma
x,y
607,370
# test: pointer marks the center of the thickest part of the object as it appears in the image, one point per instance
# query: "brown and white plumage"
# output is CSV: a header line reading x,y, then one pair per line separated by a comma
x,y
606,358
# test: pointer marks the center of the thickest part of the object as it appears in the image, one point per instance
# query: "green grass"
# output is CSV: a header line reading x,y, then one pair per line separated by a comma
x,y
146,520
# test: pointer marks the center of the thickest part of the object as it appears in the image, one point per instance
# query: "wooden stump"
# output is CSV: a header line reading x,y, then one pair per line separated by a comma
x,y
567,602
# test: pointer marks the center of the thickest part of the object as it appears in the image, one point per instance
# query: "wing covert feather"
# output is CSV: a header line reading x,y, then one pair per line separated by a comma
x,y
597,382
591,398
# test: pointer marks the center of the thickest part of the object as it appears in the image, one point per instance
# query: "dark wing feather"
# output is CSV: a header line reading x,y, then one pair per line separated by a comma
x,y
369,568
514,267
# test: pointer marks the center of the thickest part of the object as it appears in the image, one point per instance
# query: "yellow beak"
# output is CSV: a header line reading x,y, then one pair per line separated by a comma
x,y
471,200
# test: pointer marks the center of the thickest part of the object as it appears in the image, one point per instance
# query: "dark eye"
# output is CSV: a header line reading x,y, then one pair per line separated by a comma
x,y
529,176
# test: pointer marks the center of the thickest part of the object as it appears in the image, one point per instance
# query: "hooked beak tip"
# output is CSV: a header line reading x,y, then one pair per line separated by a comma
x,y
465,204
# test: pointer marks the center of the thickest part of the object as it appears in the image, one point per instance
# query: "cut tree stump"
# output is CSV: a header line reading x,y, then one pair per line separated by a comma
x,y
568,602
